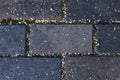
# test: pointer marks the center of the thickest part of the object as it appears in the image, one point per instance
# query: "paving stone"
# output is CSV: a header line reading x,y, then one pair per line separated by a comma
x,y
30,69
60,38
108,37
92,68
27,9
93,9
12,39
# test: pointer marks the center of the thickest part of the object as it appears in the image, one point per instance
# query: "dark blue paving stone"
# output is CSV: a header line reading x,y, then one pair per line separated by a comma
x,y
30,69
60,38
93,9
12,39
27,9
92,68
108,37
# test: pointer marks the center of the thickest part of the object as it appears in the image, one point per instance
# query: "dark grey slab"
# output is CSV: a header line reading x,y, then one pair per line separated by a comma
x,y
108,37
92,68
27,9
93,9
12,39
60,38
30,69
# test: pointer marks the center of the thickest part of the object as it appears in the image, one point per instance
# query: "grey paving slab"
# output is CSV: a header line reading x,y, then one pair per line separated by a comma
x,y
60,38
92,68
12,39
30,69
108,37
30,9
93,9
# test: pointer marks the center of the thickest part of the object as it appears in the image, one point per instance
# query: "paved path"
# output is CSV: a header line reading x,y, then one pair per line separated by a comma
x,y
59,40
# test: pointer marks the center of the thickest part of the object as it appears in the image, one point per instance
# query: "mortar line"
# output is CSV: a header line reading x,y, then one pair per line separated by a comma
x,y
63,55
64,13
63,66
58,22
87,21
94,39
27,40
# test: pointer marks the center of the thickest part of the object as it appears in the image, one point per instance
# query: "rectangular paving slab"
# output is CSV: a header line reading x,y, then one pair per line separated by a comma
x,y
30,69
92,68
12,39
30,9
108,36
60,38
93,9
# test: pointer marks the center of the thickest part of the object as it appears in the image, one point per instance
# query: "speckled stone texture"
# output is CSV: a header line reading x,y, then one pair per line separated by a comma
x,y
108,36
30,9
60,38
12,39
93,9
30,69
92,68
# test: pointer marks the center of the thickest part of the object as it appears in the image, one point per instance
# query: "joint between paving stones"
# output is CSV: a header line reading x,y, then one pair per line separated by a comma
x,y
95,43
27,38
63,66
32,55
62,55
10,21
95,55
64,13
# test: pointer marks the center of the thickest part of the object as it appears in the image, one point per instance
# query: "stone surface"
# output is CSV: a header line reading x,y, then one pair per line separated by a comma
x,y
30,9
93,9
60,38
12,39
108,36
92,68
30,69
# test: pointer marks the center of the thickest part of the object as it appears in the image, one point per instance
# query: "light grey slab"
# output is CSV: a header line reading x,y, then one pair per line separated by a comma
x,y
60,38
